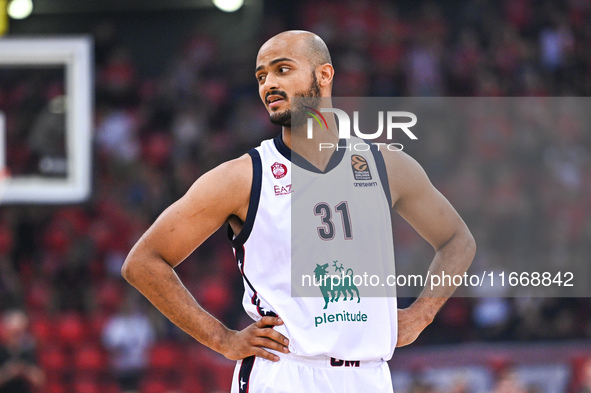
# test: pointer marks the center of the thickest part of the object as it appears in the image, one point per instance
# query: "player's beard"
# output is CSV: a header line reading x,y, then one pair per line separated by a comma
x,y
310,97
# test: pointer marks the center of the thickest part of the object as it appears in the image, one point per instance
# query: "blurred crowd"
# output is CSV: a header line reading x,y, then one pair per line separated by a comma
x,y
526,194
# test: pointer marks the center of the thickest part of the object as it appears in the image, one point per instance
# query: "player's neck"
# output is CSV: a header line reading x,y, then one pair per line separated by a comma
x,y
318,148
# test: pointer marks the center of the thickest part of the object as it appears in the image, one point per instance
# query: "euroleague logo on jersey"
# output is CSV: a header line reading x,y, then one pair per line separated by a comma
x,y
360,167
279,170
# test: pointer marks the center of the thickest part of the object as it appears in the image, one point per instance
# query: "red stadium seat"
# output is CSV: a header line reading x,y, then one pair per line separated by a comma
x,y
109,296
499,363
213,294
87,385
76,218
165,357
57,238
214,370
191,384
155,385
42,328
578,364
55,387
90,359
39,296
54,361
157,148
224,371
72,329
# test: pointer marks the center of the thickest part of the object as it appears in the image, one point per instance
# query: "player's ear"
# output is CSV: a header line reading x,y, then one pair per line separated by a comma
x,y
326,74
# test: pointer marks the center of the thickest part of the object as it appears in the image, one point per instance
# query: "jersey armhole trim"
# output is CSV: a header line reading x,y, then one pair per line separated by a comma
x,y
382,172
253,204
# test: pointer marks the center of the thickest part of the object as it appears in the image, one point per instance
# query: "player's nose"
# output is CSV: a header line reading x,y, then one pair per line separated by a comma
x,y
271,83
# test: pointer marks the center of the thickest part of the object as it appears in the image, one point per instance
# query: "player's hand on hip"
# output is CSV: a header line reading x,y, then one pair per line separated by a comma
x,y
411,322
255,339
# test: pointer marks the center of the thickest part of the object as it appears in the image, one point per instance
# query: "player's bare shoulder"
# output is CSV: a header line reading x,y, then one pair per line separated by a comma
x,y
227,186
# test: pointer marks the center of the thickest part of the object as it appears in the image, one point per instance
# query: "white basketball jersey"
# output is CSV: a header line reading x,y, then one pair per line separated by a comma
x,y
341,226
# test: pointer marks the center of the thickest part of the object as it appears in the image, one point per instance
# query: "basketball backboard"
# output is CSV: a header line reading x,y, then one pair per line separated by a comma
x,y
45,120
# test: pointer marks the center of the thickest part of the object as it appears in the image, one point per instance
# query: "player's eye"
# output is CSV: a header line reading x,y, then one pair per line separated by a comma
x,y
283,69
261,77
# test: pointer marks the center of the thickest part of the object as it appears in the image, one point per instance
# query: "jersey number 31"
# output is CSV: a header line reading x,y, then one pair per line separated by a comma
x,y
327,230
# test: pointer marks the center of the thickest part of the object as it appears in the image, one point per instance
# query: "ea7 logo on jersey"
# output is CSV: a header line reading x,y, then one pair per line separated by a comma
x,y
279,170
360,168
282,190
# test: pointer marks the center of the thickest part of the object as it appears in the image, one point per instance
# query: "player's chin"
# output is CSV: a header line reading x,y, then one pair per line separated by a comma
x,y
282,118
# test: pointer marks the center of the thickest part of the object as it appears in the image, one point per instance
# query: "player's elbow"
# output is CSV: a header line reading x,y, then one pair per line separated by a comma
x,y
130,269
461,247
142,265
468,244
126,270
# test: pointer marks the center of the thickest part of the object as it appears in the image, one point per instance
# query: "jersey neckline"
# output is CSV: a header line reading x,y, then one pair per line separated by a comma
x,y
295,158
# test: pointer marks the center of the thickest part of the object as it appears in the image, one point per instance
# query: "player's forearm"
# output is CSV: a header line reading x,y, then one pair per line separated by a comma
x,y
159,283
453,258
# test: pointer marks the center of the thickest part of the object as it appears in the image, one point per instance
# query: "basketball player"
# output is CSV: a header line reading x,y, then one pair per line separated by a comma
x,y
313,344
